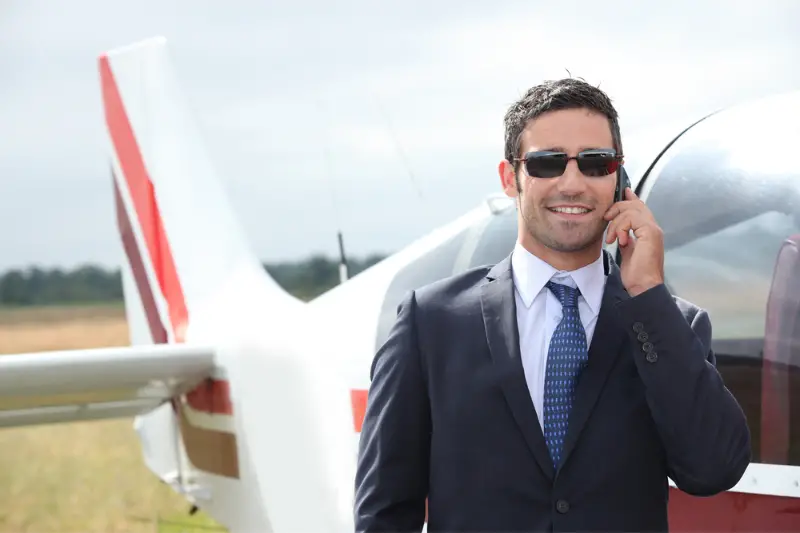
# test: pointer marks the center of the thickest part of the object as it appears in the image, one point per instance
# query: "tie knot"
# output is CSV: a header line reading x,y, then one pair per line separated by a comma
x,y
568,296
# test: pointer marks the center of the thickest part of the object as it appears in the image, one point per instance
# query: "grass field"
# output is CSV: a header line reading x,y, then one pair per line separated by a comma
x,y
80,477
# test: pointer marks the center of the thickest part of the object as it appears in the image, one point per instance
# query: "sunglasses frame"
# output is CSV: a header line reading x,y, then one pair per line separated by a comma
x,y
581,158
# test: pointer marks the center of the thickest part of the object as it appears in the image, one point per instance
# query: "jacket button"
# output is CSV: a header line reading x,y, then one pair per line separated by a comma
x,y
647,347
652,357
642,336
562,506
638,326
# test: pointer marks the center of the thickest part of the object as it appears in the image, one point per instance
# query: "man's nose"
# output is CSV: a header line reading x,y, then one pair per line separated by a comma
x,y
572,181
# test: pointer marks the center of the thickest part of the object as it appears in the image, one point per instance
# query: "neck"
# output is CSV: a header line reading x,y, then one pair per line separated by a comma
x,y
566,261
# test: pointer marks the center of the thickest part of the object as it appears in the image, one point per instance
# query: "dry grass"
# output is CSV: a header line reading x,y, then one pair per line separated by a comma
x,y
79,477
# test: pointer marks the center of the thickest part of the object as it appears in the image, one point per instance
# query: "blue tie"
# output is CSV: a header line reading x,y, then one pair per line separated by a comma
x,y
566,357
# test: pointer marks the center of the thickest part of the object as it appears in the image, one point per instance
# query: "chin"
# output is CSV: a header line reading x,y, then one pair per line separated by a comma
x,y
572,246
569,242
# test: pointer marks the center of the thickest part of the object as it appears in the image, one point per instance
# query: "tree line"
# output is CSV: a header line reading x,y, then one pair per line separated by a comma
x,y
305,278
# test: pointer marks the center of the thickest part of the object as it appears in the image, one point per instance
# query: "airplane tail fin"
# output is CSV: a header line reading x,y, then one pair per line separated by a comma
x,y
249,441
165,185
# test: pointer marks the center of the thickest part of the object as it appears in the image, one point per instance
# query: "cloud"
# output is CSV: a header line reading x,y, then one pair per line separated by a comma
x,y
362,105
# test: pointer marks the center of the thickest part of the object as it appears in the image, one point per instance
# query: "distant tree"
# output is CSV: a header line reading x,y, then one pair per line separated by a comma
x,y
14,288
306,279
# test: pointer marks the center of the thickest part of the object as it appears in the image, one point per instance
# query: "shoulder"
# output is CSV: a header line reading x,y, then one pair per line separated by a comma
x,y
458,285
451,292
445,314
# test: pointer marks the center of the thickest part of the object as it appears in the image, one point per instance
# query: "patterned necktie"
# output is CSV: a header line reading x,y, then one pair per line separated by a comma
x,y
566,357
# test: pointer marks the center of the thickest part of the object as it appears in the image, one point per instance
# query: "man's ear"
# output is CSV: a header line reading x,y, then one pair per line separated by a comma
x,y
508,178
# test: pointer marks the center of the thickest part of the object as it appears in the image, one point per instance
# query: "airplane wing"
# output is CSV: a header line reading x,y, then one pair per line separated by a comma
x,y
92,384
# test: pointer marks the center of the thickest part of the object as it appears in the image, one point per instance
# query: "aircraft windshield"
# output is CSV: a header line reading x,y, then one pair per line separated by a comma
x,y
726,206
727,196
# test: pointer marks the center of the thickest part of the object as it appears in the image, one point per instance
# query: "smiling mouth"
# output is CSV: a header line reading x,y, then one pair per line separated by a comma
x,y
570,210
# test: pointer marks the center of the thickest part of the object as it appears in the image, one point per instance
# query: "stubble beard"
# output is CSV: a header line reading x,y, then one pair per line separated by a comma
x,y
562,236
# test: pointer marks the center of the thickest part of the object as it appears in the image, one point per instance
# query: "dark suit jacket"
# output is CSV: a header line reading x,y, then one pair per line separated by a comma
x,y
450,418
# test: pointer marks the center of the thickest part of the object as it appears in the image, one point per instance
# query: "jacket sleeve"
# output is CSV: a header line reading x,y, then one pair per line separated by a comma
x,y
703,428
392,469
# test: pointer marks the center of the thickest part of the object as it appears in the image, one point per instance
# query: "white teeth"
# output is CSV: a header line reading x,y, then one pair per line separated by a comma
x,y
570,210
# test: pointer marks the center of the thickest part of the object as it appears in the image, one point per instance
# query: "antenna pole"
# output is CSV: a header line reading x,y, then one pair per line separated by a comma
x,y
342,259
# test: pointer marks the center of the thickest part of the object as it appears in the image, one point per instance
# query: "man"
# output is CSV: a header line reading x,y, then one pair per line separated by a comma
x,y
555,390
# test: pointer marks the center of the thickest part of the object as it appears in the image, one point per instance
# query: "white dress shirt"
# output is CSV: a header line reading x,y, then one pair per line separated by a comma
x,y
539,311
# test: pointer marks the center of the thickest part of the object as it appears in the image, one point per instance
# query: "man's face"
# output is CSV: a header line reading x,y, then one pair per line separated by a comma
x,y
570,131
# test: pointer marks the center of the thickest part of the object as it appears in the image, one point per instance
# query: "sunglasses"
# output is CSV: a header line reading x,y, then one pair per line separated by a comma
x,y
592,163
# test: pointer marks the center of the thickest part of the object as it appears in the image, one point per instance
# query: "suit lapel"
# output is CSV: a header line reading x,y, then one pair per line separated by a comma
x,y
500,321
603,352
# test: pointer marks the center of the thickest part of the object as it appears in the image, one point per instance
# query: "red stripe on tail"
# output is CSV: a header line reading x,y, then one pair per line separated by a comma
x,y
144,200
216,398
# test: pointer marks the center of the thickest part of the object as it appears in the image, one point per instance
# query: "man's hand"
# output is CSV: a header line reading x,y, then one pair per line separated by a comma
x,y
642,256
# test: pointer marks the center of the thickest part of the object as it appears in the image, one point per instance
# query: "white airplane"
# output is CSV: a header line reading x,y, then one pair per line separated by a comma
x,y
249,401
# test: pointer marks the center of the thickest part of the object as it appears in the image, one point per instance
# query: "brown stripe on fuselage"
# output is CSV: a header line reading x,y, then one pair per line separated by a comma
x,y
209,450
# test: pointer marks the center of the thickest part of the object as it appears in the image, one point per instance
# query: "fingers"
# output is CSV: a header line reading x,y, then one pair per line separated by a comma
x,y
629,221
626,216
631,202
619,207
619,229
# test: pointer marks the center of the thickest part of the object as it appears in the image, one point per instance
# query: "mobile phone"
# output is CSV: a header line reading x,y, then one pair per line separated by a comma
x,y
623,182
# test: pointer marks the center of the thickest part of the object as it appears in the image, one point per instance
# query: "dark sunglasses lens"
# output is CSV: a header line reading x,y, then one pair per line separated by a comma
x,y
545,165
597,164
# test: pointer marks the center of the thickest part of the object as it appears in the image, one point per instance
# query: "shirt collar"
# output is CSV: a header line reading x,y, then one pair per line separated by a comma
x,y
531,274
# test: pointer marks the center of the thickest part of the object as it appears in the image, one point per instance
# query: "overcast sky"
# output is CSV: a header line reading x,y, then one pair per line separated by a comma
x,y
406,96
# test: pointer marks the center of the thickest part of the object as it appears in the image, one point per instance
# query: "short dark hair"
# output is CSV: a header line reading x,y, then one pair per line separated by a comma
x,y
567,93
